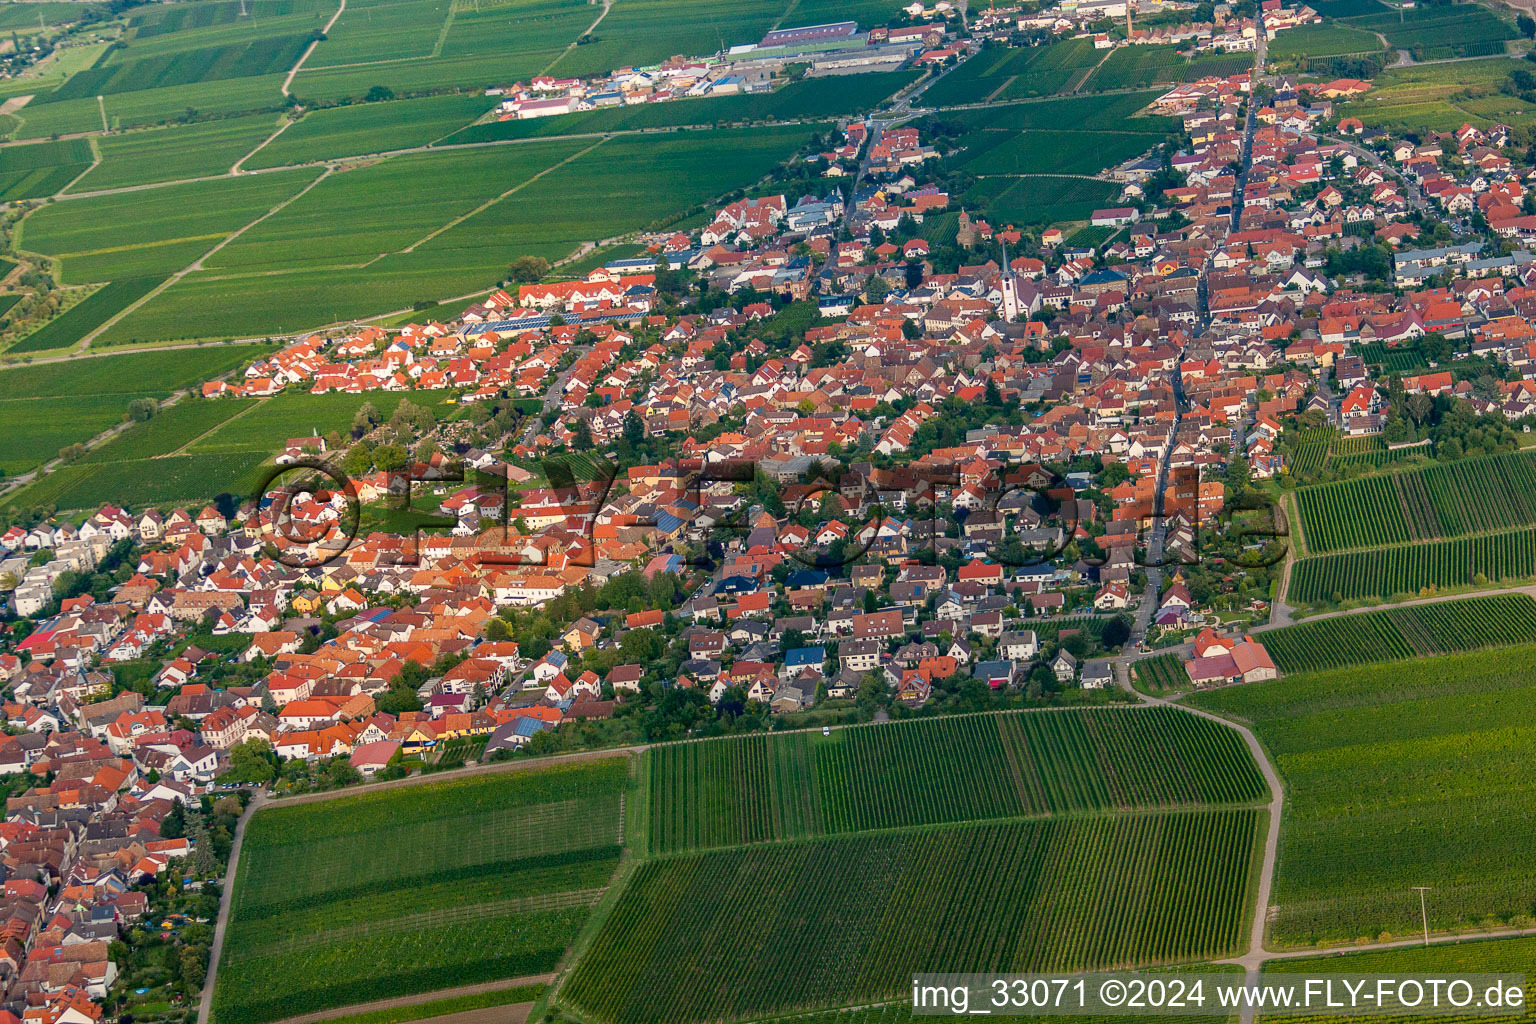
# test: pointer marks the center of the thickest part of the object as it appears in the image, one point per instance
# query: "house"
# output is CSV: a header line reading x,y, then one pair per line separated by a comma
x,y
995,674
370,758
802,659
1064,665
1098,675
1019,645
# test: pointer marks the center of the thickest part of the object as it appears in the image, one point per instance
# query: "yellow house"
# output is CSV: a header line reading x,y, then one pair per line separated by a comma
x,y
306,603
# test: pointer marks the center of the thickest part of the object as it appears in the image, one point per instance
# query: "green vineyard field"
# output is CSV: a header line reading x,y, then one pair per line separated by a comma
x,y
772,929
733,791
1394,634
1408,568
1450,500
1164,672
467,881
1396,775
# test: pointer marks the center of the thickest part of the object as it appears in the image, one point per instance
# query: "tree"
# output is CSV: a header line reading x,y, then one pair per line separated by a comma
x,y
1116,632
876,289
202,848
251,761
141,409
581,438
496,630
379,93
365,419
527,269
174,826
634,430
193,961
389,457
339,772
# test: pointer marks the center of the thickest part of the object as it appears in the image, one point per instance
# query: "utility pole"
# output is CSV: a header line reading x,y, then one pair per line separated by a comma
x,y
1423,911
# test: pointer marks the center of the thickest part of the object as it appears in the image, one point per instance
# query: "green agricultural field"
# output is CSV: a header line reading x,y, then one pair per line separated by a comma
x,y
172,154
648,31
43,168
812,97
50,405
1076,113
447,242
351,218
468,881
1504,956
128,74
1433,96
370,128
162,481
1136,67
900,1012
155,231
1413,773
196,449
195,20
147,107
1041,199
1452,30
1160,674
1056,152
686,940
1446,500
1348,8
794,785
171,429
1394,634
25,18
86,315
381,30
1404,570
1322,41
1003,73
274,420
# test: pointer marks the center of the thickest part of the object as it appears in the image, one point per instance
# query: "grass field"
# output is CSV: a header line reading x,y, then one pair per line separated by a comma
x,y
471,880
86,315
686,940
1395,776
171,154
1414,631
1446,500
48,406
728,792
1404,570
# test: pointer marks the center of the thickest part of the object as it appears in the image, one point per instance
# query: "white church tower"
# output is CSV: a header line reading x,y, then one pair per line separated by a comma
x,y
1010,289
